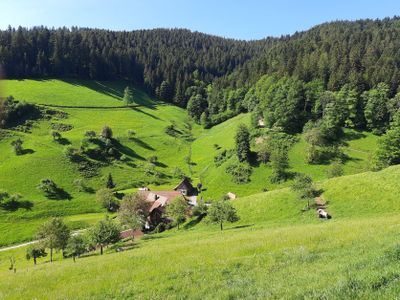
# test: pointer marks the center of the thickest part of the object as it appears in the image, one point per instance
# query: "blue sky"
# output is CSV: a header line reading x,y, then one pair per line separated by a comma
x,y
245,19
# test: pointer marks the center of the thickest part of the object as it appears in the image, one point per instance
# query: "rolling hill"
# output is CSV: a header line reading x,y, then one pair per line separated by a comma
x,y
275,251
90,105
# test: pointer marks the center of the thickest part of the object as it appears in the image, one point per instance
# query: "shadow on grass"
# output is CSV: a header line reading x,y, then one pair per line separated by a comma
x,y
160,164
193,222
240,227
144,112
63,141
59,194
126,150
100,87
27,151
15,205
142,144
150,237
354,135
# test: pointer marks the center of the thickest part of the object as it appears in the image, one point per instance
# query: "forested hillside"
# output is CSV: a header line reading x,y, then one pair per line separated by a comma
x,y
212,76
165,60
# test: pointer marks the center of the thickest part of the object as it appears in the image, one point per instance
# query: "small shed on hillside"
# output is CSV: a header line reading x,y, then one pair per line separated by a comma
x,y
231,196
261,122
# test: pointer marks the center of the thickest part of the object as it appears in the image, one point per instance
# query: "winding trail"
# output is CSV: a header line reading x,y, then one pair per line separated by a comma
x,y
124,234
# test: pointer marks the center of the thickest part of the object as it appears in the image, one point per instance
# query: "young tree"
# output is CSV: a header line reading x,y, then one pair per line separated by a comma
x,y
196,107
335,170
177,210
3,196
165,91
205,120
56,135
106,133
279,163
54,234
110,182
48,187
242,141
105,232
388,152
222,211
105,197
76,246
264,152
304,187
35,252
17,144
128,96
133,211
90,135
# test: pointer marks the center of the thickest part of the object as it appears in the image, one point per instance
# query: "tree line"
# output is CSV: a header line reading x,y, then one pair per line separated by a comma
x,y
164,61
213,77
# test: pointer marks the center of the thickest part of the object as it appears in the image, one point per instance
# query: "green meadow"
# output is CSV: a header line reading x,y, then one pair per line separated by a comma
x,y
148,119
276,251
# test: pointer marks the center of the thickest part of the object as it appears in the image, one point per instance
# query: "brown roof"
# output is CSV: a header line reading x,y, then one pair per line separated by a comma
x,y
128,233
160,198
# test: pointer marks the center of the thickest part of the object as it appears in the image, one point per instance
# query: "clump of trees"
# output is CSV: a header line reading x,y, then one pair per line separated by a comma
x,y
55,235
14,113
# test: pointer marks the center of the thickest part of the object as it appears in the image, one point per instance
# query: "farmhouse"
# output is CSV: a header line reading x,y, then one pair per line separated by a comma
x,y
160,199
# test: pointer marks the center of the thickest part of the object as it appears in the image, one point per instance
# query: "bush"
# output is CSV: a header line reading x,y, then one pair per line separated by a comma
x,y
335,170
131,134
219,159
240,172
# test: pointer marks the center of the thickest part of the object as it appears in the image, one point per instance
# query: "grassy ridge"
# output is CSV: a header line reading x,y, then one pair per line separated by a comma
x,y
22,173
275,251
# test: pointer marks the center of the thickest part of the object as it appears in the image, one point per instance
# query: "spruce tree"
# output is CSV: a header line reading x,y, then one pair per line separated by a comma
x,y
242,141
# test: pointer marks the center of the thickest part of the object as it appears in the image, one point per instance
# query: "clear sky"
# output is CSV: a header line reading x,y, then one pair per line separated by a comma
x,y
245,19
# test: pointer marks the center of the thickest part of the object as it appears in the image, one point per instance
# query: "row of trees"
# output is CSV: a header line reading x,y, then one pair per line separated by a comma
x,y
215,77
133,212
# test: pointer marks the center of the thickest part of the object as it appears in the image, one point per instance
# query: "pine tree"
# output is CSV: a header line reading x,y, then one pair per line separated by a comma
x,y
128,96
242,141
110,182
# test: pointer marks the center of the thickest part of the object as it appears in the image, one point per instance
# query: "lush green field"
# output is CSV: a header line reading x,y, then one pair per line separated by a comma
x,y
274,251
46,159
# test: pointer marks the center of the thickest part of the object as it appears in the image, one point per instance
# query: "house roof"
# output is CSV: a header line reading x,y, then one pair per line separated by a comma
x,y
160,198
184,184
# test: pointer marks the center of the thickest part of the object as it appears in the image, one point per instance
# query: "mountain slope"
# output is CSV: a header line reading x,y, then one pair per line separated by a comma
x,y
275,251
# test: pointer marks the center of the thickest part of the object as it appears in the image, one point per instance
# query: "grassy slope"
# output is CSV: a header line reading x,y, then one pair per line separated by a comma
x,y
358,146
22,174
275,251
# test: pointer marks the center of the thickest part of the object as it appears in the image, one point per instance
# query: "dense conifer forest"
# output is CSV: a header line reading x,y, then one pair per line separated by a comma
x,y
216,78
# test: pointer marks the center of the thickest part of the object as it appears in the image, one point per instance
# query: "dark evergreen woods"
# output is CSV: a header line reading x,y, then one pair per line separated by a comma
x,y
164,61
217,78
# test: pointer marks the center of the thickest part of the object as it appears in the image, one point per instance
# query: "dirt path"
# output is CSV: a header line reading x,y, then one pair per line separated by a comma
x,y
124,234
